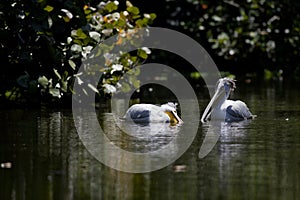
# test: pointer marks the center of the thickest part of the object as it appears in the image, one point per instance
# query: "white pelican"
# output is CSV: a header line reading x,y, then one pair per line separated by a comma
x,y
223,109
145,113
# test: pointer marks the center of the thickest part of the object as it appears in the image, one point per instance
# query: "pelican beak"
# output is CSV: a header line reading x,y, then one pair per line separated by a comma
x,y
174,118
215,99
178,120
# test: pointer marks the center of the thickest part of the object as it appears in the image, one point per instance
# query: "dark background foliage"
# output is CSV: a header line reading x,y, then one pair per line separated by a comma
x,y
250,38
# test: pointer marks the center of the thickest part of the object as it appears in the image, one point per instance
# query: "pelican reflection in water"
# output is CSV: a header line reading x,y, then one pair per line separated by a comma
x,y
145,113
220,108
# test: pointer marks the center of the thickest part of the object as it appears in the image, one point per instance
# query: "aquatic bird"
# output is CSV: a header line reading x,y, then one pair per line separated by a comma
x,y
145,113
223,109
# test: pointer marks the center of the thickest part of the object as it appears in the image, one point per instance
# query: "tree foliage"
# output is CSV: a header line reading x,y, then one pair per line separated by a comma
x,y
43,43
242,36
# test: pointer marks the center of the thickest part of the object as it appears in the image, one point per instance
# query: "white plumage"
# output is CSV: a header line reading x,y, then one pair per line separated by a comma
x,y
222,109
145,113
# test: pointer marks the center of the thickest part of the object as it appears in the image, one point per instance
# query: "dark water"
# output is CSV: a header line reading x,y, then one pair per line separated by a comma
x,y
42,156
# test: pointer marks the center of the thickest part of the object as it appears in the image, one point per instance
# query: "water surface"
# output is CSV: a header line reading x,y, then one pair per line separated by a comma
x,y
257,159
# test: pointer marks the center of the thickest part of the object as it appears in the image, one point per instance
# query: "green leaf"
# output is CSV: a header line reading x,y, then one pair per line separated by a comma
x,y
43,81
111,6
48,8
134,58
76,47
216,18
95,35
72,64
141,53
136,71
78,34
125,87
81,34
136,16
55,92
57,74
139,22
120,23
93,88
13,94
109,89
65,75
86,12
133,10
268,74
195,75
135,82
68,15
76,41
152,16
64,86
66,19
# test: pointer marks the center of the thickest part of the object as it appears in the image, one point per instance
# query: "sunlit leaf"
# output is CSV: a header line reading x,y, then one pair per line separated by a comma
x,y
13,94
141,22
109,88
85,92
116,67
152,16
141,53
136,83
120,23
79,81
48,8
133,10
107,32
72,64
95,35
136,71
87,12
68,13
147,16
76,48
55,92
195,75
81,34
146,49
93,88
57,74
66,19
216,18
125,87
43,81
50,22
128,4
268,74
69,40
111,6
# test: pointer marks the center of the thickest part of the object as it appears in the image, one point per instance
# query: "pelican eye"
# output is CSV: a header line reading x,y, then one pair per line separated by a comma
x,y
231,84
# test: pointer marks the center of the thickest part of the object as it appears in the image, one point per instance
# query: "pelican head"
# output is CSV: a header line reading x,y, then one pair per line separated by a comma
x,y
223,89
170,109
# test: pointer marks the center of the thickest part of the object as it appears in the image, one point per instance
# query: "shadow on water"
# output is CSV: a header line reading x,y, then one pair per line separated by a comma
x,y
257,159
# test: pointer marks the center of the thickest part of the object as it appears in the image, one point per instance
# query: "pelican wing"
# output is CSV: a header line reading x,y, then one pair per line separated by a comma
x,y
238,111
144,113
138,113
